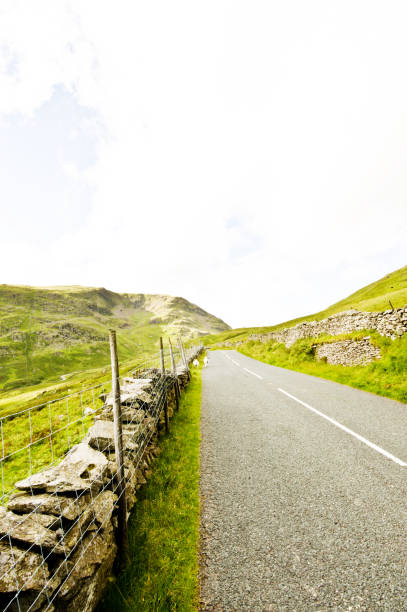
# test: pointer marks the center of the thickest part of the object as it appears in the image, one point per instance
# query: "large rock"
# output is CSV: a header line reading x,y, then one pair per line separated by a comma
x,y
83,469
97,513
31,529
88,462
145,398
88,569
101,437
103,506
21,569
59,505
129,415
133,416
75,532
130,391
54,480
25,582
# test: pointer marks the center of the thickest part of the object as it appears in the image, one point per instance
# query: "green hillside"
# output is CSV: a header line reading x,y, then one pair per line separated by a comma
x,y
49,332
388,292
385,376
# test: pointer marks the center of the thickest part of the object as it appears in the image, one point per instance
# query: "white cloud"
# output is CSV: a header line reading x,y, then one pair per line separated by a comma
x,y
286,118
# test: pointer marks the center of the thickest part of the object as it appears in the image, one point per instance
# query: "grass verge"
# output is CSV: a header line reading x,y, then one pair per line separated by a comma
x,y
164,526
386,376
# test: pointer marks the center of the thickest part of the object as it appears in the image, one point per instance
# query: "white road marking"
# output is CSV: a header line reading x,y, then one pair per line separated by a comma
x,y
254,373
235,362
347,430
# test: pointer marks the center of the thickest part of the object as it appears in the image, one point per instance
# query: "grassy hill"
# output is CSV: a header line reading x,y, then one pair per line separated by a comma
x,y
55,361
49,332
388,292
386,376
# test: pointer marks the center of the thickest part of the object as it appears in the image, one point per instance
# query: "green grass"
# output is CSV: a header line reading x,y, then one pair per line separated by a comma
x,y
164,526
34,439
380,295
386,376
49,332
45,334
41,425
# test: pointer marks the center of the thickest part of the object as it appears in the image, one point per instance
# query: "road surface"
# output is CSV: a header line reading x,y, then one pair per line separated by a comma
x,y
303,489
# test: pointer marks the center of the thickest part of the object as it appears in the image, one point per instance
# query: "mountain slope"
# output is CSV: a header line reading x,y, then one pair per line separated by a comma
x,y
385,375
389,291
46,332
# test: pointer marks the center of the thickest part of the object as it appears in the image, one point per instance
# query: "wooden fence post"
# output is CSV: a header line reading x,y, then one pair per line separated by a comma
x,y
174,371
181,350
186,358
167,425
123,543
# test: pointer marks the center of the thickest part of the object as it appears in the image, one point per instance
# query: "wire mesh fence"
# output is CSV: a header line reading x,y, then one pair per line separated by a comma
x,y
37,437
61,486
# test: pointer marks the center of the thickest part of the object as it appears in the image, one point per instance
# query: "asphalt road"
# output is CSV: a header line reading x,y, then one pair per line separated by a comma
x,y
298,512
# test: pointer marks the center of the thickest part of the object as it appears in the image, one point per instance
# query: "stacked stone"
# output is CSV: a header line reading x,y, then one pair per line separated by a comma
x,y
58,514
393,323
390,323
57,535
347,352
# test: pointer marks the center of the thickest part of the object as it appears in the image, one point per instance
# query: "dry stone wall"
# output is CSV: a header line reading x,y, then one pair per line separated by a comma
x,y
391,323
58,532
347,352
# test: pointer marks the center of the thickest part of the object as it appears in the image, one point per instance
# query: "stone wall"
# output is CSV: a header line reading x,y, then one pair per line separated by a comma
x,y
58,532
347,352
391,323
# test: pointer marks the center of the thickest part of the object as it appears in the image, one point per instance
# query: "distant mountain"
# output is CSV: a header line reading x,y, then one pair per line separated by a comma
x,y
48,331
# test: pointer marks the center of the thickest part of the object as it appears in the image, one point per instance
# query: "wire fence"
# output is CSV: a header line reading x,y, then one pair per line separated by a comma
x,y
62,484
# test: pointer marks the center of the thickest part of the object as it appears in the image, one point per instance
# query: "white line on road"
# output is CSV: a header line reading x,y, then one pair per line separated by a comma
x,y
235,362
254,373
347,430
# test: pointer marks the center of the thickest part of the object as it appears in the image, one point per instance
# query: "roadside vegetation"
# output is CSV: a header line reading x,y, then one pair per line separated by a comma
x,y
54,365
386,293
386,376
164,525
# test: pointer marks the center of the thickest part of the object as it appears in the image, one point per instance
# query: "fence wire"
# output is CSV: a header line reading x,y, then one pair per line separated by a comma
x,y
60,483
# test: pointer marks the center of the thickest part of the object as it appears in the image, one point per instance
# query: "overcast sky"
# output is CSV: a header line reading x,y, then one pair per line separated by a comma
x,y
249,156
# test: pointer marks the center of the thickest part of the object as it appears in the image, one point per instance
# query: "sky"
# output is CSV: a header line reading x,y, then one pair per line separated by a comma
x,y
249,156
